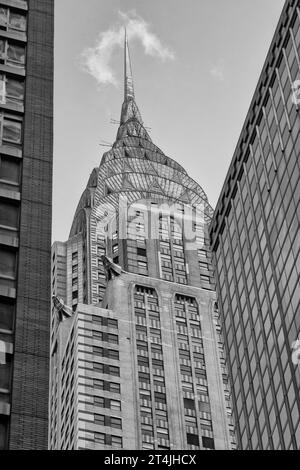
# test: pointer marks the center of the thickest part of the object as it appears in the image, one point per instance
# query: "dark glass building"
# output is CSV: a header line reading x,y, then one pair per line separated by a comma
x,y
255,237
26,81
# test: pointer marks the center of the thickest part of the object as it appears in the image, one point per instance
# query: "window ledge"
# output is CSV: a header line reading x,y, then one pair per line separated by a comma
x,y
13,34
11,183
6,291
6,332
9,194
13,107
15,3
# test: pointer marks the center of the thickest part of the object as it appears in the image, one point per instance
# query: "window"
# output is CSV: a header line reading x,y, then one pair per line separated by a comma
x,y
208,442
97,334
112,338
75,295
7,310
11,131
189,404
8,263
99,419
12,19
111,323
113,354
192,439
99,437
115,422
115,405
5,372
114,387
99,401
114,371
141,252
9,214
9,169
142,264
12,53
98,384
116,442
11,90
3,432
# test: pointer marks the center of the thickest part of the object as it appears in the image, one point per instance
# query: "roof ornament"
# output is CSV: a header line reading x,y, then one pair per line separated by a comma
x,y
63,311
112,269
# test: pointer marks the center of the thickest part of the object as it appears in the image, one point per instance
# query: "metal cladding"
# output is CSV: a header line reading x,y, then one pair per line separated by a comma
x,y
136,168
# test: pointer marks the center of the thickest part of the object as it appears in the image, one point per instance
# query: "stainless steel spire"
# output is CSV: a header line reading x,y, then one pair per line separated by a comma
x,y
128,79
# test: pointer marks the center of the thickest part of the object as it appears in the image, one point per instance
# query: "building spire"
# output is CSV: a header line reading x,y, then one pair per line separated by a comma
x,y
131,123
128,80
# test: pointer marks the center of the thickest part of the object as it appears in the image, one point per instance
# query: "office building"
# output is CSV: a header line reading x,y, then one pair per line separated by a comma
x,y
255,239
140,363
26,75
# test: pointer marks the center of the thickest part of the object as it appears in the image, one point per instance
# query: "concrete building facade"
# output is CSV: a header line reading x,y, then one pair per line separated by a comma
x,y
255,238
26,76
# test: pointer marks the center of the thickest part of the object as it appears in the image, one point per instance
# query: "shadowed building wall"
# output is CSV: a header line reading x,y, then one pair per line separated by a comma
x,y
26,78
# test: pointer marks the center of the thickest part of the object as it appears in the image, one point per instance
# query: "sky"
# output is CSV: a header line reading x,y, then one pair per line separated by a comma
x,y
195,65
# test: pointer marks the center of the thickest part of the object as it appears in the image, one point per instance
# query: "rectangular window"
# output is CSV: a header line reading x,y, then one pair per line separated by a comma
x,y
99,437
11,90
113,354
9,214
5,371
111,323
11,131
3,432
8,263
7,311
12,19
115,405
15,55
116,442
115,422
99,419
114,387
98,384
99,401
9,169
112,338
141,252
114,371
208,442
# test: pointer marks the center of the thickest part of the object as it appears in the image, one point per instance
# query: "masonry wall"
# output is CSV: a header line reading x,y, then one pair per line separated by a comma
x,y
29,410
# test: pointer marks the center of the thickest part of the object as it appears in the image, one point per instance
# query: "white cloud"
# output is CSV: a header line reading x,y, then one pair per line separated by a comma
x,y
218,71
96,60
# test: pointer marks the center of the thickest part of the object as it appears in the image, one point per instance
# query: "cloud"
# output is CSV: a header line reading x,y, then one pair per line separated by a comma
x,y
97,60
218,71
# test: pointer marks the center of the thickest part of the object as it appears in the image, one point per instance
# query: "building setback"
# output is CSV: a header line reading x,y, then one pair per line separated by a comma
x,y
26,79
139,364
255,238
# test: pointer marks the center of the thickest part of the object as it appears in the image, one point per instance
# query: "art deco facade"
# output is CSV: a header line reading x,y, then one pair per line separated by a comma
x,y
140,363
26,56
255,235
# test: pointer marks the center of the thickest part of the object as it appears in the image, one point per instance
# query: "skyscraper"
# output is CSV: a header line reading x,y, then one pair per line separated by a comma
x,y
26,69
139,364
255,237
